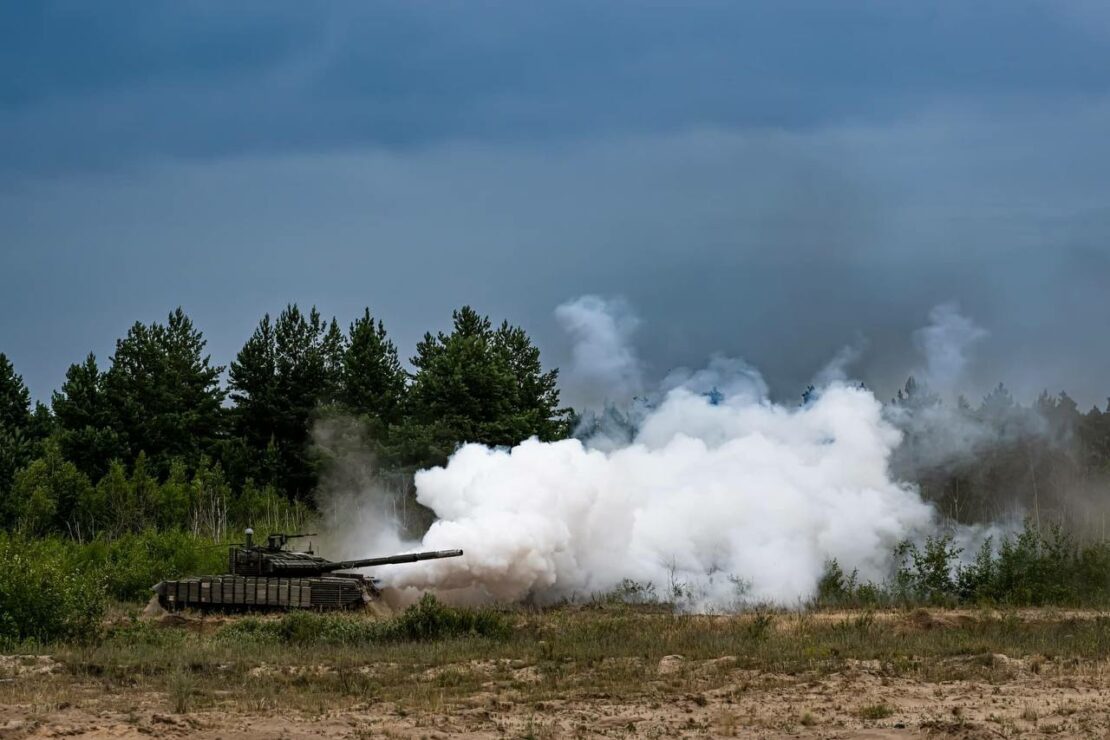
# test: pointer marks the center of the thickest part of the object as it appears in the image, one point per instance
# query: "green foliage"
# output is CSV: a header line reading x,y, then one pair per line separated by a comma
x,y
929,574
56,589
84,420
16,450
373,380
15,399
50,494
282,375
482,385
1037,567
148,443
129,565
43,597
267,510
1047,567
839,589
427,620
430,620
16,440
163,393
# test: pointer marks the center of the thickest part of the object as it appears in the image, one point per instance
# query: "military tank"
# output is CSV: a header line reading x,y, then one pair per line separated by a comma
x,y
270,577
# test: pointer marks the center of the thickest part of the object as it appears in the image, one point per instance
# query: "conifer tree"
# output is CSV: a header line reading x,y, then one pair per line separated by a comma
x,y
479,385
285,372
83,420
15,399
373,382
16,442
163,393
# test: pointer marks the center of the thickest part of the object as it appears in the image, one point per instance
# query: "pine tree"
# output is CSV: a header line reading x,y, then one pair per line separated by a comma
x,y
84,423
479,385
373,382
536,409
163,393
285,372
17,446
15,399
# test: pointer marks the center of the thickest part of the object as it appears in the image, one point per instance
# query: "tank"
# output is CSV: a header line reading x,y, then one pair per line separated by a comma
x,y
271,577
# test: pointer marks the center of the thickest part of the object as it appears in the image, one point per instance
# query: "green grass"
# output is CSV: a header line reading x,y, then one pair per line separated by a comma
x,y
312,662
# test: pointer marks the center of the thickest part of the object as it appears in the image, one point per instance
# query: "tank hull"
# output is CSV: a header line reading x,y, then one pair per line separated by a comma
x,y
260,593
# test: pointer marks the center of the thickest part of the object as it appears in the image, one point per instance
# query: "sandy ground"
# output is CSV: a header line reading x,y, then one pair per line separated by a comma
x,y
1019,700
1007,697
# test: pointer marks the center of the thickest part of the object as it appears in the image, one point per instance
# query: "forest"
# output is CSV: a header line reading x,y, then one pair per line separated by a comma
x,y
138,467
156,438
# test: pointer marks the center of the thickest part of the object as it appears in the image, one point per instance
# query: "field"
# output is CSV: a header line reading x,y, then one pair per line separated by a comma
x,y
605,669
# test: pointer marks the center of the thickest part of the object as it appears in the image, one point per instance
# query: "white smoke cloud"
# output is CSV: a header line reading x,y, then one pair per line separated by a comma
x,y
715,486
724,376
836,369
946,342
604,365
708,494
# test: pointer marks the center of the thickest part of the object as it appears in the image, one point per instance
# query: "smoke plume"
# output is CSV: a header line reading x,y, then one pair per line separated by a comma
x,y
717,495
946,342
604,367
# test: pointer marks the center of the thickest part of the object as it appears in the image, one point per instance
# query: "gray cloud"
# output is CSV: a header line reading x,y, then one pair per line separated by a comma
x,y
100,86
772,246
769,180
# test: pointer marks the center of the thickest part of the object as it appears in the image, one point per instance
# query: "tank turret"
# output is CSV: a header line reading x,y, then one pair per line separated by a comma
x,y
270,576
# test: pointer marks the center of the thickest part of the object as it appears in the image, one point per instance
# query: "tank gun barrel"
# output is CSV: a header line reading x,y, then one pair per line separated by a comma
x,y
412,557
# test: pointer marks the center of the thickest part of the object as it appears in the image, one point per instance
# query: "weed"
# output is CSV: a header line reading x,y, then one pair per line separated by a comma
x,y
875,711
182,689
760,625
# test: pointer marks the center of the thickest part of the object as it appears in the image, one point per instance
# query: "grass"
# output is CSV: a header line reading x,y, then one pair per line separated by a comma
x,y
876,711
181,689
513,672
431,657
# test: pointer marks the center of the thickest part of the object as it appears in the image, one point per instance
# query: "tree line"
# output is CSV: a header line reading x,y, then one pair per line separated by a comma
x,y
1003,461
154,440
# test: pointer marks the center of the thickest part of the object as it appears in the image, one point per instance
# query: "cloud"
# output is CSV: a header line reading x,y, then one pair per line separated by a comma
x,y
762,181
778,247
138,81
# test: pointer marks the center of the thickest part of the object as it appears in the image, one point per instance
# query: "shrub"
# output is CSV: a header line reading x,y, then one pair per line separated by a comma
x,y
876,711
838,589
42,598
424,621
131,564
1037,567
430,620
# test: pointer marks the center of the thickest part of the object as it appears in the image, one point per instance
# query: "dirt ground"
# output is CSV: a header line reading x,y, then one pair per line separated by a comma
x,y
679,697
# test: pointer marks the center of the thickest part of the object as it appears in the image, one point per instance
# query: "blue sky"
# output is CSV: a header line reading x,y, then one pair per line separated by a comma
x,y
764,179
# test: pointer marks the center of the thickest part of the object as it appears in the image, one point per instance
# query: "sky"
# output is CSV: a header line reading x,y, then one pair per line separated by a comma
x,y
769,180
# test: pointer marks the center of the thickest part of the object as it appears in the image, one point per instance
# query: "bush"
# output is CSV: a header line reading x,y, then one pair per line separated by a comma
x,y
42,597
430,620
131,564
1037,567
838,589
424,621
55,588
